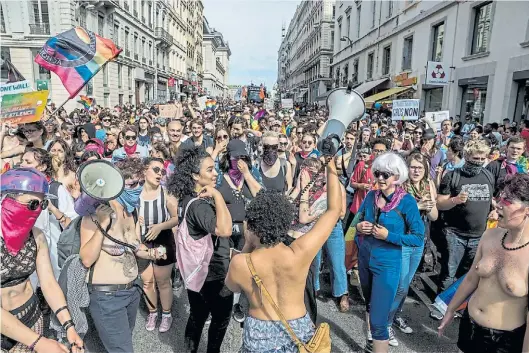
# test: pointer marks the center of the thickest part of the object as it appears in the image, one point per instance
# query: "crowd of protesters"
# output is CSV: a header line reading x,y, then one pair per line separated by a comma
x,y
245,179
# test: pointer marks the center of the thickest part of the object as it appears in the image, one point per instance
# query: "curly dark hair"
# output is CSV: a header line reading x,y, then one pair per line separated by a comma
x,y
69,161
515,187
269,215
130,168
43,158
187,163
381,141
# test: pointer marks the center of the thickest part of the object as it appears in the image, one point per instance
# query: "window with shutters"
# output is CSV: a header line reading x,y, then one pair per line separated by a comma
x,y
101,25
407,53
370,58
438,39
482,28
386,60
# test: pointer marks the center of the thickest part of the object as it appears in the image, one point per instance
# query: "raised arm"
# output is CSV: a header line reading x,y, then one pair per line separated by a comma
x,y
309,244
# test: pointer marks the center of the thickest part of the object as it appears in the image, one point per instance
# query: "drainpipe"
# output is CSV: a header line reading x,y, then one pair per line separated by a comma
x,y
452,61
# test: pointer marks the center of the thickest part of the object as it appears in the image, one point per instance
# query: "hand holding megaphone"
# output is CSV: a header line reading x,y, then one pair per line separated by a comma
x,y
328,146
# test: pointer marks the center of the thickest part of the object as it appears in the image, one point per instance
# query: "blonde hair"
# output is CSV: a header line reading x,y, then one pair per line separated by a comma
x,y
476,146
270,134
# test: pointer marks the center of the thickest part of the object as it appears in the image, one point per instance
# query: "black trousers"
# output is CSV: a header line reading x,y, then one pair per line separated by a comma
x,y
216,299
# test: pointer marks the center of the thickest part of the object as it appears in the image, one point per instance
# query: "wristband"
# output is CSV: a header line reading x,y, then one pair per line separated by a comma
x,y
60,219
32,347
60,309
67,324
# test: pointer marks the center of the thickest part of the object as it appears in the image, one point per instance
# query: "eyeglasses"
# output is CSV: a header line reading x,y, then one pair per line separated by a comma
x,y
222,137
33,205
384,175
283,143
418,168
29,131
299,133
417,132
135,184
106,120
129,137
158,170
307,142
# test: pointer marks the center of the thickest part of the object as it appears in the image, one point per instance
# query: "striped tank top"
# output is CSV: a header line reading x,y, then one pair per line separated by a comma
x,y
153,212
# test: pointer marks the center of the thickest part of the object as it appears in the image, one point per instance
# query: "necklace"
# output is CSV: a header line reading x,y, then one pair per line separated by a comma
x,y
511,249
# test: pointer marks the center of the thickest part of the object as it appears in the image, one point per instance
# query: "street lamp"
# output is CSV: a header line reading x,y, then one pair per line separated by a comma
x,y
346,39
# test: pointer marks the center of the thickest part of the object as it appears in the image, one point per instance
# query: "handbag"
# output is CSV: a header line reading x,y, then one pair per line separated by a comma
x,y
319,343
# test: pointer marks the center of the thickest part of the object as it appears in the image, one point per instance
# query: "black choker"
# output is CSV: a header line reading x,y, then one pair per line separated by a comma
x,y
511,249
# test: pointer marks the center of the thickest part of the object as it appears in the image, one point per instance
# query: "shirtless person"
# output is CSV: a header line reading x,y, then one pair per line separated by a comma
x,y
496,317
114,299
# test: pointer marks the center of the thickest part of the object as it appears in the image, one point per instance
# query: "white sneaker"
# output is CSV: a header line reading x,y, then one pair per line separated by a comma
x,y
392,340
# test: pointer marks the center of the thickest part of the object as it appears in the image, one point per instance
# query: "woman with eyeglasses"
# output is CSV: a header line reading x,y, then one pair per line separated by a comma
x,y
131,149
205,216
417,136
421,186
34,132
158,215
113,269
496,318
387,220
24,250
308,149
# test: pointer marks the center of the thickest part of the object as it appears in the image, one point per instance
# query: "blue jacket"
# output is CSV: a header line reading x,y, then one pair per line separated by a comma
x,y
394,222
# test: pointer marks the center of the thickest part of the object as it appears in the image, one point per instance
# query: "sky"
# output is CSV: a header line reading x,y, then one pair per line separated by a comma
x,y
253,30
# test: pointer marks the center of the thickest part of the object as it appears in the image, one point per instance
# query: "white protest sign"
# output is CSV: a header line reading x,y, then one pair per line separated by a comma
x,y
287,103
268,103
202,102
14,88
405,109
438,117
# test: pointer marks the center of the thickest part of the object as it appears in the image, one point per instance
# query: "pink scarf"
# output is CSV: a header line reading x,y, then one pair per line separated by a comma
x,y
395,200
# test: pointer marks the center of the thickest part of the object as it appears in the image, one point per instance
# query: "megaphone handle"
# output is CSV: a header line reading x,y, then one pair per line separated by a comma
x,y
321,170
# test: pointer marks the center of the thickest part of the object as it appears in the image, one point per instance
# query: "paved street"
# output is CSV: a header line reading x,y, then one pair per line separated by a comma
x,y
347,330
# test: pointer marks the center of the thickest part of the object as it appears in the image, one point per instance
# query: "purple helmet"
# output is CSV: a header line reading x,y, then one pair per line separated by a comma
x,y
25,180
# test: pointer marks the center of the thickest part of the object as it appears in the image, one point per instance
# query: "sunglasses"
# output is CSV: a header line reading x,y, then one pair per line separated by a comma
x,y
222,137
33,205
271,147
135,184
29,131
106,120
306,142
128,137
384,175
417,132
159,170
283,143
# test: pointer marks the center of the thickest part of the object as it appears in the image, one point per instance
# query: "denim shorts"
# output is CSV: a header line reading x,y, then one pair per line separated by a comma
x,y
476,338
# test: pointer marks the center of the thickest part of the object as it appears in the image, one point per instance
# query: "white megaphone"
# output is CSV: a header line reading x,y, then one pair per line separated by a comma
x,y
100,182
345,106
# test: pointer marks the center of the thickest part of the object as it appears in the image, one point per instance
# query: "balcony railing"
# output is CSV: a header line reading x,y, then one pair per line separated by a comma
x,y
164,36
143,60
135,56
127,52
39,28
126,6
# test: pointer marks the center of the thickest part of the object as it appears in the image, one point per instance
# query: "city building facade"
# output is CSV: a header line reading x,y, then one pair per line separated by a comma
x,y
305,53
476,51
216,53
153,34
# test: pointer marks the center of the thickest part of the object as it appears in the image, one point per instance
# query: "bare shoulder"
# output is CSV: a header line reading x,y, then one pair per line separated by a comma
x,y
492,235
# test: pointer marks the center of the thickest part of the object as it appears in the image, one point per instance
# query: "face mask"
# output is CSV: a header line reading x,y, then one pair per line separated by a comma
x,y
269,156
17,221
130,198
472,168
234,172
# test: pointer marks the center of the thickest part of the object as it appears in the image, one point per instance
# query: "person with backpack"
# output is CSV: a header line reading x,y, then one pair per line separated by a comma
x,y
465,197
110,242
388,220
158,215
203,233
24,248
275,172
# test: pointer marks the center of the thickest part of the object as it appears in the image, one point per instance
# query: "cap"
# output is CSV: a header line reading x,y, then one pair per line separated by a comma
x,y
25,180
236,148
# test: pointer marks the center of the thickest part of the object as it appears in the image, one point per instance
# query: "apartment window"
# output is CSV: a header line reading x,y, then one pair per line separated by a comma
x,y
105,76
370,58
407,53
150,51
135,44
120,75
143,48
130,78
358,19
126,41
101,25
373,13
355,70
41,17
2,22
82,17
149,14
438,40
481,33
348,26
386,60
120,99
390,8
345,74
339,35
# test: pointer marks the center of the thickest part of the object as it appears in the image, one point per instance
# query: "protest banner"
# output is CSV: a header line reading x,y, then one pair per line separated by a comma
x,y
268,104
287,103
405,109
168,111
23,108
14,88
438,117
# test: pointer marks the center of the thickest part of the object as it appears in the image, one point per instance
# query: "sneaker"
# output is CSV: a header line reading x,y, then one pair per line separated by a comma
x,y
436,315
368,347
402,325
392,340
238,314
151,321
165,325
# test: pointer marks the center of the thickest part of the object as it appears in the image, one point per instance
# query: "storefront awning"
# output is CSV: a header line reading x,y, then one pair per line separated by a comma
x,y
385,94
368,86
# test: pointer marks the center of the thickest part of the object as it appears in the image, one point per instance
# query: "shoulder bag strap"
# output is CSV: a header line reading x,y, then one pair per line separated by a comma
x,y
268,297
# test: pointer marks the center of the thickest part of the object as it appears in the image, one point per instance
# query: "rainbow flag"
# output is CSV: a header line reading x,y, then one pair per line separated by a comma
x,y
76,56
211,104
87,102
